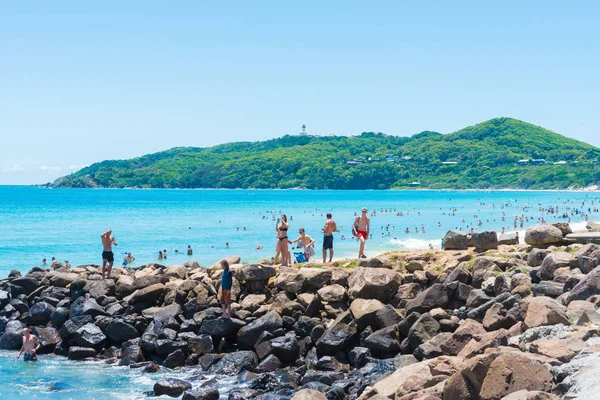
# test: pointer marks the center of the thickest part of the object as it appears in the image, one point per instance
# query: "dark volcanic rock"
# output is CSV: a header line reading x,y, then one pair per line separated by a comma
x,y
39,313
383,343
221,326
27,283
81,306
455,240
249,334
131,353
374,283
285,348
171,387
120,331
234,363
338,336
175,359
67,331
59,316
485,240
434,297
12,339
79,353
89,335
201,394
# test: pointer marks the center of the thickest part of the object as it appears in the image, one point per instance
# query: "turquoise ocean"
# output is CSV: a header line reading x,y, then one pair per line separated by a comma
x,y
37,223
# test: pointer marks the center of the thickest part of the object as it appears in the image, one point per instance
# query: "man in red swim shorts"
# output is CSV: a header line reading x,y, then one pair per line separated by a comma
x,y
361,229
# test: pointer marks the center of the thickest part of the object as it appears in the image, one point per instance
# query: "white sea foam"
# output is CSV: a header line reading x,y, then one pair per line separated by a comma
x,y
414,243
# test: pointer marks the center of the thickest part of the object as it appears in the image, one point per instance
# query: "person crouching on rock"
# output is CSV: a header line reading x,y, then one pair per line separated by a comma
x,y
31,344
226,283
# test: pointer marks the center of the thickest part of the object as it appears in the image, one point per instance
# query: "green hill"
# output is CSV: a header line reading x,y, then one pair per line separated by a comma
x,y
482,156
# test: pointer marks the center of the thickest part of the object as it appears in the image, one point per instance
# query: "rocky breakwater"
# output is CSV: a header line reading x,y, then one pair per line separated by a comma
x,y
511,322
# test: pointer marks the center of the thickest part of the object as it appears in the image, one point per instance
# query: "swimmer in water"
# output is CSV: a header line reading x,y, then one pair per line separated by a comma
x,y
30,346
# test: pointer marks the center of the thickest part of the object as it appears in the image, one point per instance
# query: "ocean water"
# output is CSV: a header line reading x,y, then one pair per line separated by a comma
x,y
38,223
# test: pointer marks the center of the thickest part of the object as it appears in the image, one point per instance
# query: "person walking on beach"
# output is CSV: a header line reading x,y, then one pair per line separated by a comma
x,y
282,226
330,227
308,244
226,284
361,228
107,254
30,346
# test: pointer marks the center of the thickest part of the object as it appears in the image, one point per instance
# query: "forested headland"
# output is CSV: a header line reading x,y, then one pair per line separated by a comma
x,y
499,153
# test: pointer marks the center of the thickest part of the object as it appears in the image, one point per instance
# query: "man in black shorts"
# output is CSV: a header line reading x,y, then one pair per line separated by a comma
x,y
330,227
107,255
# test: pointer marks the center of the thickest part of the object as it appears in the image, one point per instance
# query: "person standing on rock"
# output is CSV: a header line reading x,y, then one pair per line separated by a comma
x,y
361,228
30,346
226,284
330,227
108,256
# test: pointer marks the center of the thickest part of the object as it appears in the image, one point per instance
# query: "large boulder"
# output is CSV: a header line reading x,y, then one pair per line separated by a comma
x,y
332,293
541,311
131,353
374,283
12,339
564,227
222,327
83,306
255,272
89,335
455,240
383,343
233,363
551,263
493,376
249,334
148,294
39,313
485,240
62,279
415,375
201,394
67,331
162,313
285,348
434,297
171,387
104,287
309,394
120,331
80,353
28,283
543,236
588,286
364,311
338,335
508,238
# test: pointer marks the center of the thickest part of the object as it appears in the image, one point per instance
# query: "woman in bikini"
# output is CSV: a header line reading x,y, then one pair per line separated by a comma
x,y
282,227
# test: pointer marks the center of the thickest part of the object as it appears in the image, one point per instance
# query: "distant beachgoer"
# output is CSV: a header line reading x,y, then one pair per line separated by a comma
x,y
226,284
128,259
67,264
259,247
165,254
30,346
328,230
308,244
107,254
189,250
176,251
160,255
53,262
282,226
227,245
430,246
361,227
44,262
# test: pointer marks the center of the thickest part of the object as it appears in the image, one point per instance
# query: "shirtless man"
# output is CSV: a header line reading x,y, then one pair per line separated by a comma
x,y
107,255
330,227
361,228
307,243
31,344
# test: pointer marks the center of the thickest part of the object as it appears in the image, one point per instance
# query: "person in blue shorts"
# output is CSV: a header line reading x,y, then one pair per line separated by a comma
x,y
30,346
226,284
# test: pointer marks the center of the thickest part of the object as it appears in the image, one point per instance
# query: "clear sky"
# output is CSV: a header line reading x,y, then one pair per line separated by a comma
x,y
86,81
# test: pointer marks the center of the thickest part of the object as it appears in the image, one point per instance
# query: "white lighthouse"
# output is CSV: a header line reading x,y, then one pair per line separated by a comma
x,y
303,133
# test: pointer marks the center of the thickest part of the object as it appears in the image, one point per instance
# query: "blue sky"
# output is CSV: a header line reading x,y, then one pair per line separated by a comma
x,y
82,82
